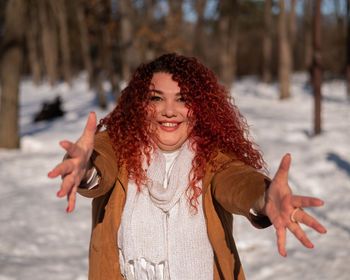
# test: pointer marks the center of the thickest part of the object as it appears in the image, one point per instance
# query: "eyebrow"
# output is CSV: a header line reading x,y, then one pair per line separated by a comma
x,y
161,92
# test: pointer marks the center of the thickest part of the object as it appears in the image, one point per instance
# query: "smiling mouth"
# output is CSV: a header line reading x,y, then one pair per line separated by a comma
x,y
169,124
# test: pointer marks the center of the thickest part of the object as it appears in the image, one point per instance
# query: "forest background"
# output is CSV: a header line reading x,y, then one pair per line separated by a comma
x,y
54,40
50,47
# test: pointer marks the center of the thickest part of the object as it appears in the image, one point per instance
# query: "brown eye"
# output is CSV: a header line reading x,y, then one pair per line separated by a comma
x,y
155,98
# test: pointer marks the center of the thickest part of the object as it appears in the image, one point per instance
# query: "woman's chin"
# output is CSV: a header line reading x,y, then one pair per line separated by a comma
x,y
169,145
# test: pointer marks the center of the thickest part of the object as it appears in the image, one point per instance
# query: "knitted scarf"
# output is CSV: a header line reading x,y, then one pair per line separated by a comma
x,y
159,238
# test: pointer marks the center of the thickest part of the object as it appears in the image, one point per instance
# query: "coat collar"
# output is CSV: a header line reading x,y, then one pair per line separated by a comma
x,y
218,162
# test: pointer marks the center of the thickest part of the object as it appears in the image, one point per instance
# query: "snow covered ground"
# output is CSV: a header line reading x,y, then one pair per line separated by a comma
x,y
39,240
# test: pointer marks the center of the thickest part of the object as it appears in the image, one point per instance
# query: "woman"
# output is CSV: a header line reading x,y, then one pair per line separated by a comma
x,y
173,165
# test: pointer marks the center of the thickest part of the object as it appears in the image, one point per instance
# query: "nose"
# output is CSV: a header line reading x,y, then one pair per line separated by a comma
x,y
169,109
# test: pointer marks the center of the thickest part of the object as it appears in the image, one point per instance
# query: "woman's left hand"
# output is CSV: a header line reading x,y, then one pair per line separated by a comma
x,y
281,205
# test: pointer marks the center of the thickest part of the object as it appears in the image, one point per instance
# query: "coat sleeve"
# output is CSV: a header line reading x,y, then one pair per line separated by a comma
x,y
237,187
104,160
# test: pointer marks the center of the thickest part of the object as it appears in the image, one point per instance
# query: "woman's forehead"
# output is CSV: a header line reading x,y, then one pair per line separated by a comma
x,y
164,82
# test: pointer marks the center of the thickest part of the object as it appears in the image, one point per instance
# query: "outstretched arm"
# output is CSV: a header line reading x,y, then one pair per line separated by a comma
x,y
76,163
285,209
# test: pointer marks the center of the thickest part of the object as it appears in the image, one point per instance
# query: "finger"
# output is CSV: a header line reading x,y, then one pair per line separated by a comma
x,y
53,173
306,219
283,169
306,201
73,150
90,127
62,169
281,241
71,198
300,235
66,186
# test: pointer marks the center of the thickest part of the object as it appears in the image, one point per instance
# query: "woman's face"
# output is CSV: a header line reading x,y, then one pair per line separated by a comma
x,y
167,113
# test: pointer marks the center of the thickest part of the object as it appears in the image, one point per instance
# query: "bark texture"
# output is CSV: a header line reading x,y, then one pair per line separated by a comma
x,y
11,64
284,54
49,40
125,37
267,43
317,66
308,35
228,29
84,41
32,39
199,39
59,9
292,32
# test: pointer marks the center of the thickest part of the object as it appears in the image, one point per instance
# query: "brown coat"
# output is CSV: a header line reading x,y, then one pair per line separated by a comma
x,y
234,189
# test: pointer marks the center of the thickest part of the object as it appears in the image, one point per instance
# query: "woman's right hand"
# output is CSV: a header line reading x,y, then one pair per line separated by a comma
x,y
76,162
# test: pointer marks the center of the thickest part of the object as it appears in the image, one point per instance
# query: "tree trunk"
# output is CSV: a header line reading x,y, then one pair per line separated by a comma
x,y
228,29
149,53
32,37
147,38
49,41
174,23
267,43
198,43
308,35
126,37
284,55
108,62
348,49
11,64
59,8
292,32
340,18
84,41
101,96
317,66
234,39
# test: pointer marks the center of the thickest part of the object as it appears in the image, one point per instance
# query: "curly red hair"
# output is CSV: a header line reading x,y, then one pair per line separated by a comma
x,y
218,124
